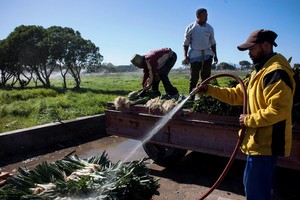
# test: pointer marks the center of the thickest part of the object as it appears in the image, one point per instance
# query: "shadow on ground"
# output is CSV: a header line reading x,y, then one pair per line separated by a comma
x,y
203,169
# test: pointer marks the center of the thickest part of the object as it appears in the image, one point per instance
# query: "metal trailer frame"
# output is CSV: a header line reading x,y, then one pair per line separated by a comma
x,y
211,134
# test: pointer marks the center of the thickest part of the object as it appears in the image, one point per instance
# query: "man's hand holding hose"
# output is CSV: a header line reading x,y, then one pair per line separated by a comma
x,y
199,89
242,119
202,89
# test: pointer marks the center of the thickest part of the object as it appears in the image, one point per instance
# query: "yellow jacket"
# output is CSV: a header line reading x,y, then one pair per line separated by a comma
x,y
270,93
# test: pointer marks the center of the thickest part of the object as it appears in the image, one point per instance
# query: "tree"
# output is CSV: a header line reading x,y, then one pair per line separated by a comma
x,y
72,53
94,58
81,53
225,66
245,65
34,52
6,69
28,55
58,39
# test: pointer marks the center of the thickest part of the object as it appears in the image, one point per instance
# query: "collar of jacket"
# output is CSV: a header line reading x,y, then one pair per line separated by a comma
x,y
259,65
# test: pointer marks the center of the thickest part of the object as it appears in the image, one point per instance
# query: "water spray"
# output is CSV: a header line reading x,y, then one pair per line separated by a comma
x,y
162,122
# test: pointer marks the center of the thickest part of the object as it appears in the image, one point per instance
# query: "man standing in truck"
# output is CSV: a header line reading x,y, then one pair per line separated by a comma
x,y
200,38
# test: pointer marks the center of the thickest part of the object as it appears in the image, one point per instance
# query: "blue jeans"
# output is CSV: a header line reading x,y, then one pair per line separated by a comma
x,y
259,177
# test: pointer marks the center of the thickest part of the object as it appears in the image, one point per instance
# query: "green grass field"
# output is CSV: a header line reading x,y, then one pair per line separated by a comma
x,y
35,106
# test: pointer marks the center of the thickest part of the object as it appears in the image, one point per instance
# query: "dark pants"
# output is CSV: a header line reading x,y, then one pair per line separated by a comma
x,y
163,73
259,177
196,70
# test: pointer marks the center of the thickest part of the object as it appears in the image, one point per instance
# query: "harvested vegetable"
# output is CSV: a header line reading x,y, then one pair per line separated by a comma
x,y
75,178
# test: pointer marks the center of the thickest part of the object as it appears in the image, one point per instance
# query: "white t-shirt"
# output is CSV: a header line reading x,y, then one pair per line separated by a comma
x,y
199,38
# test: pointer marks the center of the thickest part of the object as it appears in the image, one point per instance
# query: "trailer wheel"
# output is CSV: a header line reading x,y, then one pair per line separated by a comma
x,y
163,155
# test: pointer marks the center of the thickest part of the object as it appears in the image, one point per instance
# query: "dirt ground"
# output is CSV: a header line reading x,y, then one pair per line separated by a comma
x,y
188,179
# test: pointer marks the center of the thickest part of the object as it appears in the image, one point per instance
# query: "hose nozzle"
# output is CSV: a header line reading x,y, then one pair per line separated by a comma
x,y
193,92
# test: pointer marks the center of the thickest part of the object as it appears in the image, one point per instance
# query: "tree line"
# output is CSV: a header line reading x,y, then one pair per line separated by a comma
x,y
33,53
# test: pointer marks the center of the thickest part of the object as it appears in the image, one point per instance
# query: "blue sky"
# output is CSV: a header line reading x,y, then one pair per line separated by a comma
x,y
121,28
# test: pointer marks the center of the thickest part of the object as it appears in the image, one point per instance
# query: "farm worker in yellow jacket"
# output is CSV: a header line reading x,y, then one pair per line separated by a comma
x,y
268,122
